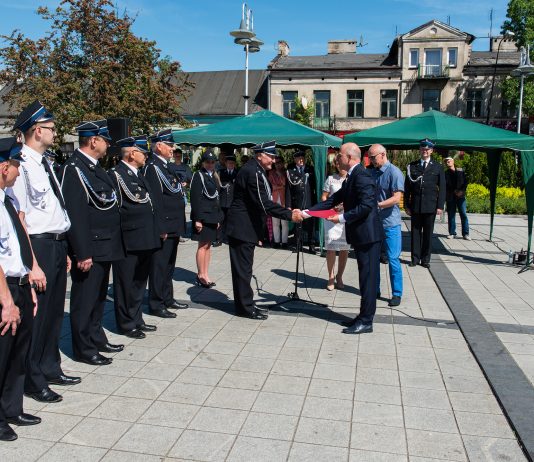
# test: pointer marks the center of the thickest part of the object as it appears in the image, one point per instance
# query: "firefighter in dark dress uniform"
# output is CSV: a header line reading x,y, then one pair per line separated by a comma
x,y
227,176
94,241
140,236
301,194
246,221
424,197
168,199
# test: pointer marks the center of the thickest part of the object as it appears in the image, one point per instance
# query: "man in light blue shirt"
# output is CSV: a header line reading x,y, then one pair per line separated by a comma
x,y
390,186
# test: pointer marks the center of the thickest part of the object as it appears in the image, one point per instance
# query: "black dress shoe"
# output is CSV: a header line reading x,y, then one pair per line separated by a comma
x,y
384,260
178,306
412,264
256,315
348,323
425,265
134,333
163,313
45,396
358,328
24,420
395,301
261,309
7,433
216,243
64,380
147,327
313,250
95,360
206,285
109,348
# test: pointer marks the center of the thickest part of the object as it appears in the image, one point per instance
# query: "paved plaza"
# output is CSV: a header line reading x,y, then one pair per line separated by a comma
x,y
209,386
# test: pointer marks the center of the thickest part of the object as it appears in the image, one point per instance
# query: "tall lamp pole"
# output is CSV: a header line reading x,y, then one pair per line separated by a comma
x,y
245,36
525,69
506,35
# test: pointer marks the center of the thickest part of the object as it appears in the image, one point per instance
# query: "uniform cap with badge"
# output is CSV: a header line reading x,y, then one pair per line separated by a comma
x,y
299,154
209,156
426,143
10,149
94,128
163,136
140,142
32,114
267,147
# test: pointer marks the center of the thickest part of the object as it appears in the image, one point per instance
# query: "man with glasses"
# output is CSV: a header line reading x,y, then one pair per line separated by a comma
x,y
140,236
390,185
168,198
42,210
246,220
94,240
424,197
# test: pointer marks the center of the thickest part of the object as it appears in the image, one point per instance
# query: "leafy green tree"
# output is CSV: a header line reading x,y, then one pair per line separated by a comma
x,y
303,114
90,65
520,21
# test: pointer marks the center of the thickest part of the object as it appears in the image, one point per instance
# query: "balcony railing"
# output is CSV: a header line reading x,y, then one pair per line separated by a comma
x,y
323,123
432,71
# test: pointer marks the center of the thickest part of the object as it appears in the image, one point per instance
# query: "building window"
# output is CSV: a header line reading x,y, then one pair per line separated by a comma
x,y
433,62
431,100
414,58
474,103
388,103
508,109
288,103
452,57
355,104
322,104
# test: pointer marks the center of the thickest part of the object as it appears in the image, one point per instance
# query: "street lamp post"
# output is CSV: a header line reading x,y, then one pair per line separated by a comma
x,y
506,35
525,69
245,36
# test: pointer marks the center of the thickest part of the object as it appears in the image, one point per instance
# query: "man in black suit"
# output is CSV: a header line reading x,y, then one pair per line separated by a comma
x,y
140,235
301,193
246,220
363,230
168,199
424,197
227,176
94,241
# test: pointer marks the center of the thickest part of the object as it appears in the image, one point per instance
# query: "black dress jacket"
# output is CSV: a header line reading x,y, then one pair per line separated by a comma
x,y
358,195
424,189
205,206
252,203
300,188
227,187
138,219
92,204
167,196
456,183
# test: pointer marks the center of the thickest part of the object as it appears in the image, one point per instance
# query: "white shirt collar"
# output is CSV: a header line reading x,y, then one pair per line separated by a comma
x,y
2,195
32,153
93,161
162,158
428,161
351,169
131,167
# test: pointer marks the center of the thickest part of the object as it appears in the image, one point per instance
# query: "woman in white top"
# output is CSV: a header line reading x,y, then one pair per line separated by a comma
x,y
335,233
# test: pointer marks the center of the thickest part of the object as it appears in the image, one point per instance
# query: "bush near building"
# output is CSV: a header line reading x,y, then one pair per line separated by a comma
x,y
509,200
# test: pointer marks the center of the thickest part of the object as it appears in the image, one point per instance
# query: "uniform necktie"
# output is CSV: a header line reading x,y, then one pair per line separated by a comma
x,y
425,164
53,183
24,243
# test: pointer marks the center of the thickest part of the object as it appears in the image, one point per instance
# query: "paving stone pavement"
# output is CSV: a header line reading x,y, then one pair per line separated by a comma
x,y
209,386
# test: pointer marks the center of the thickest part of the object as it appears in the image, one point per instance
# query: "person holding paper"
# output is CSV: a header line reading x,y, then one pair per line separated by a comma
x,y
363,229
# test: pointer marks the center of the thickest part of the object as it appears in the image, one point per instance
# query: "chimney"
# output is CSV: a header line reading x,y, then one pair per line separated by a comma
x,y
283,48
341,46
508,44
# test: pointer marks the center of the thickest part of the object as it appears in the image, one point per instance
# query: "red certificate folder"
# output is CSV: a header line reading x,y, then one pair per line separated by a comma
x,y
321,213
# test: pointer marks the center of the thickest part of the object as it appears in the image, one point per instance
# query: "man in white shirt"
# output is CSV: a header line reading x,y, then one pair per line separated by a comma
x,y
42,210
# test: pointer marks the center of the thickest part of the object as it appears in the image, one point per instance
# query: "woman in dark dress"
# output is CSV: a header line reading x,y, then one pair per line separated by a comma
x,y
206,214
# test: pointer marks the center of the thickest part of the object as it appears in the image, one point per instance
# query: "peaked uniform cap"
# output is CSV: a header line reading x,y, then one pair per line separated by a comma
x,y
209,155
299,154
30,115
268,147
10,149
140,142
163,136
94,128
426,143
230,157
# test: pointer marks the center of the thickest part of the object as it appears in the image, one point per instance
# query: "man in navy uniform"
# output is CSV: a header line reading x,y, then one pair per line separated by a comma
x,y
42,209
246,221
16,298
363,230
140,236
94,240
168,198
227,176
424,197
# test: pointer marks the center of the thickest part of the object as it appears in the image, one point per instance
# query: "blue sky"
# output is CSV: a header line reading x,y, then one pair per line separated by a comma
x,y
196,32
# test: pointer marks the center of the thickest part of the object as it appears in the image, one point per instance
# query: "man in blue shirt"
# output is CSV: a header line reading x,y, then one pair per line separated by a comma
x,y
390,186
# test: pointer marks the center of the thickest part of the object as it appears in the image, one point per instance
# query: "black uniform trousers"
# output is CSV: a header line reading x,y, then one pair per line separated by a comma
x,y
162,263
44,360
87,301
241,262
130,276
421,236
13,353
368,258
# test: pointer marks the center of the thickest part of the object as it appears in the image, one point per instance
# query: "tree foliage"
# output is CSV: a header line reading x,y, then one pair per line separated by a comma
x,y
90,65
303,114
520,21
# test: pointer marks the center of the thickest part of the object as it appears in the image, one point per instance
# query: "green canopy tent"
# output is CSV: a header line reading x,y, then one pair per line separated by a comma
x,y
455,133
263,126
